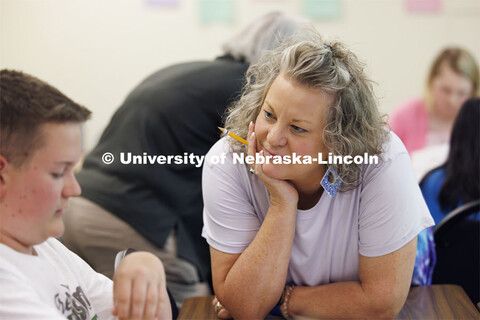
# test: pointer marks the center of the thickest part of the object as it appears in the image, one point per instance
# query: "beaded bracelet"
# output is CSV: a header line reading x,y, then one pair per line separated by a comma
x,y
285,297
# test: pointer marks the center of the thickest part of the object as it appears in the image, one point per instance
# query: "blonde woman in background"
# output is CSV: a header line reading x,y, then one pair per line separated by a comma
x,y
453,78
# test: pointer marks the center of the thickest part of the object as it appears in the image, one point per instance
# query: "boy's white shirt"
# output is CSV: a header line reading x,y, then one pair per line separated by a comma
x,y
55,284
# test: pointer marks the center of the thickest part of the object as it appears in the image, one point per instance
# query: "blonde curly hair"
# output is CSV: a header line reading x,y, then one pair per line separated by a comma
x,y
353,123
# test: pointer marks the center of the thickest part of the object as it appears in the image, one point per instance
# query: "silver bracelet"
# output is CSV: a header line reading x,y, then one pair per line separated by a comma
x,y
286,297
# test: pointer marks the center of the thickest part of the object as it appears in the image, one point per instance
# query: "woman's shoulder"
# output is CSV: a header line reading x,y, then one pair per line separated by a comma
x,y
393,157
223,162
221,146
392,147
222,152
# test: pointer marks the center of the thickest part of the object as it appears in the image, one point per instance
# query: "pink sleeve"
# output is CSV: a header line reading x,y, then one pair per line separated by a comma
x,y
396,122
410,122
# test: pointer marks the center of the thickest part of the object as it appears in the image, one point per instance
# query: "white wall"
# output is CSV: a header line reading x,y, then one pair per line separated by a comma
x,y
96,51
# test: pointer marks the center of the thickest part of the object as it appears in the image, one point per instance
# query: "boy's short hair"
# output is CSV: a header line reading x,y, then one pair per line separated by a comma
x,y
26,104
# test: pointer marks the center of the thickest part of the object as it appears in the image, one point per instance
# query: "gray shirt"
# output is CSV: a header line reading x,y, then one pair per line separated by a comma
x,y
380,216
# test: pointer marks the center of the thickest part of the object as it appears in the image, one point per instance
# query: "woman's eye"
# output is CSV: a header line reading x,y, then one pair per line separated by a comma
x,y
268,115
298,129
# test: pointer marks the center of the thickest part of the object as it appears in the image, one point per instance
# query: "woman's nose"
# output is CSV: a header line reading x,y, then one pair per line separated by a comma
x,y
277,136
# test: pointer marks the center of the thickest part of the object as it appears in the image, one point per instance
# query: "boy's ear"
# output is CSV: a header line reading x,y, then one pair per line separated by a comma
x,y
3,169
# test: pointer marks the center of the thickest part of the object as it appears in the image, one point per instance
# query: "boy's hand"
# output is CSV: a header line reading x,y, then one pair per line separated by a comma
x,y
139,288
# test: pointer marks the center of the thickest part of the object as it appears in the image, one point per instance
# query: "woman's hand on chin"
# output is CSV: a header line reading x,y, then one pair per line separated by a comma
x,y
282,192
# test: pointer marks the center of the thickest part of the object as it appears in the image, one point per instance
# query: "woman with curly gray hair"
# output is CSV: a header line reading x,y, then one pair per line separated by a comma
x,y
294,232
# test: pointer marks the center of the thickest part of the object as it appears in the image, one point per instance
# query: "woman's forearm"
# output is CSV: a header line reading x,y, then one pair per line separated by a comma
x,y
255,282
380,292
342,300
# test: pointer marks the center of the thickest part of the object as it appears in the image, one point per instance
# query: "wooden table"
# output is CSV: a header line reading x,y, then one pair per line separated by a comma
x,y
425,302
446,301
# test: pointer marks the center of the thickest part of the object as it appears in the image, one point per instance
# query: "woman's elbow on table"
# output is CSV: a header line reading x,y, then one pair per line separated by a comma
x,y
241,308
386,305
250,313
385,280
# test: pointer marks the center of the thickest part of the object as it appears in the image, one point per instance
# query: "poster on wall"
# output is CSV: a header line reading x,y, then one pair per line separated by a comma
x,y
321,9
423,6
162,3
216,11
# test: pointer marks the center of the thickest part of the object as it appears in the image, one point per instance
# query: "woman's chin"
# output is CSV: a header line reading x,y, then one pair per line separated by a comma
x,y
274,171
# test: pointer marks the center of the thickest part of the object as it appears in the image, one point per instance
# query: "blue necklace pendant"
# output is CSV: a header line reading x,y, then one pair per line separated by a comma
x,y
331,187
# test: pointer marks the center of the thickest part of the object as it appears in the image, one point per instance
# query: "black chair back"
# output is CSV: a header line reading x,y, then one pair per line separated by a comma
x,y
457,241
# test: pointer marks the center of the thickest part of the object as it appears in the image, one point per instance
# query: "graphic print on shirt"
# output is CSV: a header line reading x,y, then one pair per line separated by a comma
x,y
74,306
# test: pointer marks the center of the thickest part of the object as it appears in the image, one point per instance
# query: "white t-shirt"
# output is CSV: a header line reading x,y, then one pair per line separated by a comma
x,y
55,284
378,217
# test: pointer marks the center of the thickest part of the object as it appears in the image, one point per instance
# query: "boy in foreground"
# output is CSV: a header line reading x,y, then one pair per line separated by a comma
x,y
40,143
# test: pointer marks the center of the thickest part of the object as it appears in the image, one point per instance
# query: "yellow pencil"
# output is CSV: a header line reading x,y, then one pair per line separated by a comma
x,y
234,136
